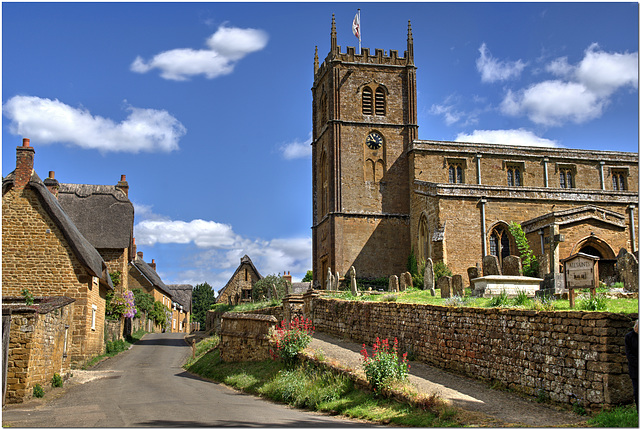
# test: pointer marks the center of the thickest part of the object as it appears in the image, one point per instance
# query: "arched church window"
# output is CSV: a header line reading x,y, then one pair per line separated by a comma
x,y
367,101
381,106
424,250
499,243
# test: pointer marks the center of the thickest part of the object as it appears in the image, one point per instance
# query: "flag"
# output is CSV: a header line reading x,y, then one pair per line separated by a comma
x,y
356,25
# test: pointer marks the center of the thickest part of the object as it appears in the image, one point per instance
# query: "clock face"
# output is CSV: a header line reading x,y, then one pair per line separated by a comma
x,y
374,140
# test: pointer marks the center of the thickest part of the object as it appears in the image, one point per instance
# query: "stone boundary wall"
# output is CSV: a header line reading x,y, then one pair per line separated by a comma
x,y
36,345
244,337
569,355
214,318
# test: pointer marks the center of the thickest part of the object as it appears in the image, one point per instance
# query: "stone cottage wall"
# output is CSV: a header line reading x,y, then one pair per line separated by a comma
x,y
35,254
36,350
570,355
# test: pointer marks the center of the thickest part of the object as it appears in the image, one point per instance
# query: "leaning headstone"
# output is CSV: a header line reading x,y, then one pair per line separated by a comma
x,y
512,266
627,267
472,272
393,283
490,266
428,275
403,283
444,284
354,286
329,276
458,289
336,281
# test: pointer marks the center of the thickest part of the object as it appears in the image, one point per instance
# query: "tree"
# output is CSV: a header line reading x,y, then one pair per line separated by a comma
x,y
160,314
202,298
308,277
143,300
263,286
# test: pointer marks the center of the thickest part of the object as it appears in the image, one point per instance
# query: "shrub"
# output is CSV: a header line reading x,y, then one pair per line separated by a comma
x,y
28,296
120,304
56,381
499,300
38,391
263,287
592,303
290,339
529,262
545,303
385,366
454,301
440,269
521,298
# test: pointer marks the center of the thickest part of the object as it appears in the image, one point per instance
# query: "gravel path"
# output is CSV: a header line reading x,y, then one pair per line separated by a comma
x,y
498,407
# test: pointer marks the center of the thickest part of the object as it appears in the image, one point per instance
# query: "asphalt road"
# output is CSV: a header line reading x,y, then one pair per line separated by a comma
x,y
146,386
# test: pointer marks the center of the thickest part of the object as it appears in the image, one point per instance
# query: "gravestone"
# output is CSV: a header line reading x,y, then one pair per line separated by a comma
x,y
490,266
472,272
393,283
444,284
354,286
408,282
627,267
512,266
336,281
429,284
458,289
329,279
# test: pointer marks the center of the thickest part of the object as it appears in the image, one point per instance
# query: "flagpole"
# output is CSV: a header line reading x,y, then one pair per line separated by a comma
x,y
359,34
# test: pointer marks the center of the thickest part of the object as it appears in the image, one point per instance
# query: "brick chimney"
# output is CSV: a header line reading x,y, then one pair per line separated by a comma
x,y
24,164
140,255
287,276
153,264
52,184
123,185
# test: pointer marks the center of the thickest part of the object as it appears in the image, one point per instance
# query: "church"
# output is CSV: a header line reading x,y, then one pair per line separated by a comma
x,y
379,192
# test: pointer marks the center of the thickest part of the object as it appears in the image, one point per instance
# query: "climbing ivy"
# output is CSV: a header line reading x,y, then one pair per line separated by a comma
x,y
529,261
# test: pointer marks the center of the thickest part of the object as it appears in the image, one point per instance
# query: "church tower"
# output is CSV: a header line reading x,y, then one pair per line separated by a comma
x,y
364,120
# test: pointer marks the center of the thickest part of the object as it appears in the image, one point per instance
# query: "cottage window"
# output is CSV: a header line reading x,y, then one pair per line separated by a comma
x,y
94,310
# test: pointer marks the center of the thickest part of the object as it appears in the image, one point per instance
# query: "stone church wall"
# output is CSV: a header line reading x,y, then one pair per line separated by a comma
x,y
568,355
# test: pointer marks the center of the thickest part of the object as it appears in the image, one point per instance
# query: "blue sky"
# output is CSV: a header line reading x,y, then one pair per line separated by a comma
x,y
206,107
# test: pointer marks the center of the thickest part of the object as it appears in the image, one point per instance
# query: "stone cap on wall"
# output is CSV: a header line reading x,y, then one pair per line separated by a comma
x,y
42,304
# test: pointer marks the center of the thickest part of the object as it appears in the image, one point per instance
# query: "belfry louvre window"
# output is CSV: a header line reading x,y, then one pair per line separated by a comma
x,y
380,102
367,101
374,104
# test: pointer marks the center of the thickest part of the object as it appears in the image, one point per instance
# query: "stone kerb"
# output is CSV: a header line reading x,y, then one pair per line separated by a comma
x,y
244,337
569,355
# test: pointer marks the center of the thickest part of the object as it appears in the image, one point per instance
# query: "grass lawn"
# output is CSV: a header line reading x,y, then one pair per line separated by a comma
x,y
309,387
419,296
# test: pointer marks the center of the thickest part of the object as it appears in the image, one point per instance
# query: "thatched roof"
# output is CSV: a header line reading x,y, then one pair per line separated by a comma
x,y
151,275
82,248
182,295
103,213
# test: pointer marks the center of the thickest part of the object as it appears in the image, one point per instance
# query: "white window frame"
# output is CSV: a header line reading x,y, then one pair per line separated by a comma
x,y
94,311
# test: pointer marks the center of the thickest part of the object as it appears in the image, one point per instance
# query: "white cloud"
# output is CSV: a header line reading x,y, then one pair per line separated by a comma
x,y
226,46
493,70
297,149
219,249
554,103
517,137
51,121
451,112
581,94
603,73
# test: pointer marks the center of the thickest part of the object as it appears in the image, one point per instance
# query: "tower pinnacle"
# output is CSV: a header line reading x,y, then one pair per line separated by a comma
x,y
334,35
